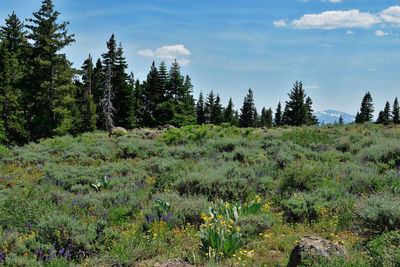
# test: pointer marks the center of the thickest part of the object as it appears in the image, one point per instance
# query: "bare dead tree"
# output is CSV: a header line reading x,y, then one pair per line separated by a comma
x,y
106,102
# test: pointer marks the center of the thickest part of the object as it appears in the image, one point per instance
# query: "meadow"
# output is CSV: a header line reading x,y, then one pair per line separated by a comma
x,y
208,195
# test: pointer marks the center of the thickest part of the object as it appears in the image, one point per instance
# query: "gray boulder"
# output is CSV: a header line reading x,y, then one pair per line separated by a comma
x,y
311,247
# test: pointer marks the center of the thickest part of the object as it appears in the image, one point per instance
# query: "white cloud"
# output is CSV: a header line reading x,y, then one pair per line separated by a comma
x,y
391,15
280,23
350,32
168,52
312,87
326,45
380,33
336,19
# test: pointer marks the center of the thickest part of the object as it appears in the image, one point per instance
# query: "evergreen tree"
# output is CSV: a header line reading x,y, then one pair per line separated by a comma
x,y
51,91
175,83
366,110
186,114
209,107
200,110
123,92
278,115
396,112
310,119
216,116
164,80
266,117
13,68
85,101
297,112
229,112
381,118
269,118
247,111
358,118
153,96
98,82
256,118
106,102
387,114
138,104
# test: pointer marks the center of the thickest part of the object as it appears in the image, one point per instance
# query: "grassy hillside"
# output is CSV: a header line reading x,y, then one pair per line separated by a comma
x,y
204,194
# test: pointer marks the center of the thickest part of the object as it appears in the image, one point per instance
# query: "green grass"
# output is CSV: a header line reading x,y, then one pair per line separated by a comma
x,y
160,196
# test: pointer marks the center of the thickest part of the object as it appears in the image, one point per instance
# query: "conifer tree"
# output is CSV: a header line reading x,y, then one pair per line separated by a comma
x,y
216,116
106,102
200,110
396,112
185,109
381,118
51,90
278,115
296,110
138,104
164,80
387,114
310,119
256,118
98,82
366,110
152,96
340,120
85,101
266,117
13,69
247,111
209,106
123,92
269,118
229,112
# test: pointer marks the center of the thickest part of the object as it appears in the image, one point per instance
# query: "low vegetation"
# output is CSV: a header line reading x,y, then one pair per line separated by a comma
x,y
208,195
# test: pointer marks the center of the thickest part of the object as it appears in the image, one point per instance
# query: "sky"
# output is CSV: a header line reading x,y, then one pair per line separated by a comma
x,y
339,49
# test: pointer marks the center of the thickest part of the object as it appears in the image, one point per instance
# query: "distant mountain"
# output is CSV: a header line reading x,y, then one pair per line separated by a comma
x,y
330,116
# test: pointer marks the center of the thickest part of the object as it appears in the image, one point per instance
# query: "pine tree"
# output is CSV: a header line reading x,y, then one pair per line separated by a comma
x,y
98,82
256,118
175,82
200,110
278,115
229,113
269,118
247,111
85,101
13,68
266,117
138,104
209,106
366,110
123,92
381,118
51,89
216,116
387,114
296,110
186,114
310,119
152,96
396,112
358,118
164,80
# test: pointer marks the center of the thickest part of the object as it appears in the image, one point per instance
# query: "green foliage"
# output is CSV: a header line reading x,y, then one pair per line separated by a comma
x,y
385,250
254,224
301,176
102,185
379,213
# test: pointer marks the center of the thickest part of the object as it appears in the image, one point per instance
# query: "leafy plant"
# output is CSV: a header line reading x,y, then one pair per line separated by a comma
x,y
103,184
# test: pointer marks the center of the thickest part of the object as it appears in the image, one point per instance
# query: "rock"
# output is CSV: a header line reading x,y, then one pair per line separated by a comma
x,y
166,127
173,263
312,247
118,131
152,135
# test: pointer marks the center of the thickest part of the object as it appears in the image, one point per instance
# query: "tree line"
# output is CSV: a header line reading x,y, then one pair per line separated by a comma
x,y
42,95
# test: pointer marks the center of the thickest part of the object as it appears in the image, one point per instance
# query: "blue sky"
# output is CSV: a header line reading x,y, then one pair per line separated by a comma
x,y
339,49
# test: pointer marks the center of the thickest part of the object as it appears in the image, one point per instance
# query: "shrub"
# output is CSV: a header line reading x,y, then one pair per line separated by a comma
x,y
380,213
254,224
385,250
301,176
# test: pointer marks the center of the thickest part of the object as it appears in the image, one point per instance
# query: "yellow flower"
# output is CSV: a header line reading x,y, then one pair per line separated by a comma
x,y
238,229
227,205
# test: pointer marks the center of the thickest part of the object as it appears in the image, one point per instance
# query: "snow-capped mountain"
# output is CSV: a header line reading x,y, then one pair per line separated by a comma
x,y
330,116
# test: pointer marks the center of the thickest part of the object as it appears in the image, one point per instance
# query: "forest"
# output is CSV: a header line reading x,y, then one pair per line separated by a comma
x,y
190,183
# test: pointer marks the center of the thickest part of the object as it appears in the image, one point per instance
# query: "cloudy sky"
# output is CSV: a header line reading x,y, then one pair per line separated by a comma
x,y
339,48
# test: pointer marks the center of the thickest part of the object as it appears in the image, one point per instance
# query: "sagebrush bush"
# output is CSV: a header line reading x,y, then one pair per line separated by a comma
x,y
380,213
385,250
